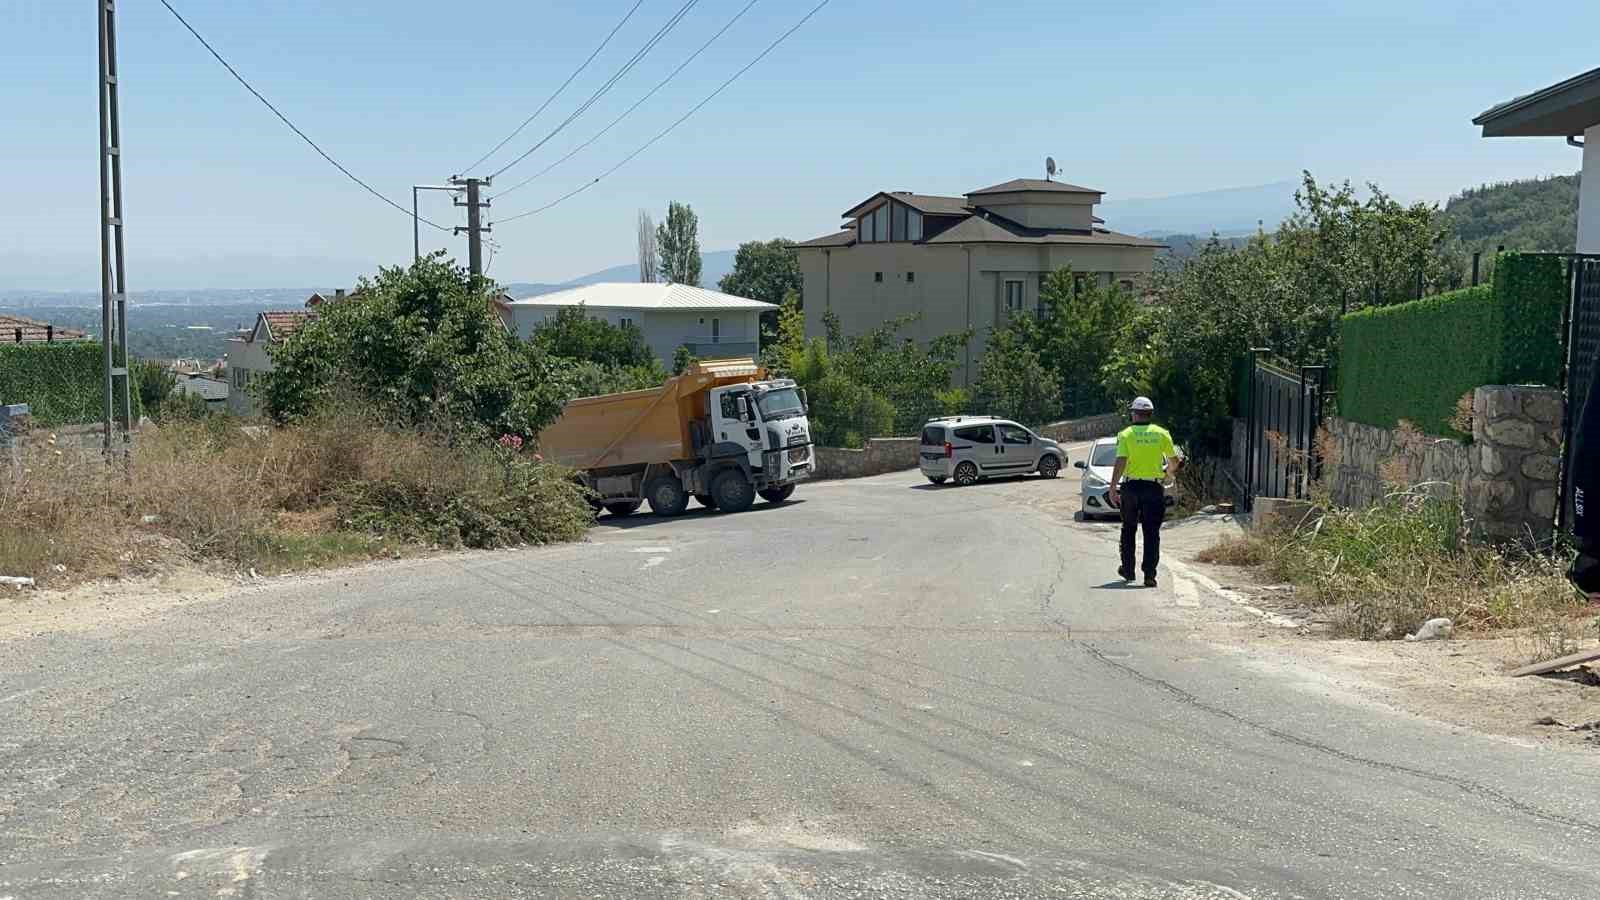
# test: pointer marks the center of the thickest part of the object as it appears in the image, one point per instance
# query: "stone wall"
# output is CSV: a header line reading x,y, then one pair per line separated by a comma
x,y
1085,429
1507,477
880,455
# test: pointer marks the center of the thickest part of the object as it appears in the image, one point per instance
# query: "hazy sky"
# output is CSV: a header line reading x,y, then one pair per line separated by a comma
x,y
941,96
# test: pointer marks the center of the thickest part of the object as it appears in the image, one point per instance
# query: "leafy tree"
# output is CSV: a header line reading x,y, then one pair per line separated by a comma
x,y
843,413
1013,382
768,271
420,346
575,335
782,353
586,378
678,242
682,358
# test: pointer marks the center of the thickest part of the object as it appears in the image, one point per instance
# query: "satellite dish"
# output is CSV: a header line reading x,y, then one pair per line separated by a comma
x,y
1049,167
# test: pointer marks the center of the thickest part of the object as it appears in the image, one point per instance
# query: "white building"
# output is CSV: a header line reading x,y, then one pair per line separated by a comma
x,y
1569,109
710,323
248,357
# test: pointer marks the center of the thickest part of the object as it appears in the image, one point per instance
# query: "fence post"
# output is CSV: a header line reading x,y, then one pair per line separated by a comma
x,y
1477,256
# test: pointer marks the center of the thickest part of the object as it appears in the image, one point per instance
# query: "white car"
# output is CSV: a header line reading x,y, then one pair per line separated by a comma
x,y
1095,487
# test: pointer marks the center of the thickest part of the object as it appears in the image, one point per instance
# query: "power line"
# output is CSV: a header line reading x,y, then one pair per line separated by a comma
x,y
609,84
285,119
601,133
668,130
551,99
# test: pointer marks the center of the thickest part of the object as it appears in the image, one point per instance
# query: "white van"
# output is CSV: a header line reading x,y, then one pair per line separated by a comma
x,y
964,449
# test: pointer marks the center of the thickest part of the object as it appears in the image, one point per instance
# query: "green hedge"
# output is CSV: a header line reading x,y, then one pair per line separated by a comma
x,y
1415,360
60,382
1531,291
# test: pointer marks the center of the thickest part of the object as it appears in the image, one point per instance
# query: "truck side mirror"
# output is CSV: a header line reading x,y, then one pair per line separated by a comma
x,y
745,412
805,404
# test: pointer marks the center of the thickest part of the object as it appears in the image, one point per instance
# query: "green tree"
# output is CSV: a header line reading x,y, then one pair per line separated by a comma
x,y
155,386
1013,382
783,352
678,243
420,346
682,359
575,335
768,271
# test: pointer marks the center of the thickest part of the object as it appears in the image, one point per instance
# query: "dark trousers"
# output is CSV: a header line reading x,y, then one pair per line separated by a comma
x,y
1144,505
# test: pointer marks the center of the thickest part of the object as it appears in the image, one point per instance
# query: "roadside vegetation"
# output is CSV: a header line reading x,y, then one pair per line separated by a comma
x,y
1383,571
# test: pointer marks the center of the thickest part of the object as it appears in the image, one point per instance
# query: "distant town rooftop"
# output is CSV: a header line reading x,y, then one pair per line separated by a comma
x,y
21,330
640,295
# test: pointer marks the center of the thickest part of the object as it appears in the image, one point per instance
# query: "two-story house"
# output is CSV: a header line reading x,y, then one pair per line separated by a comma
x,y
961,263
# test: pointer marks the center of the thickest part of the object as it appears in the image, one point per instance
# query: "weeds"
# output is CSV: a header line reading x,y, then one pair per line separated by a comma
x,y
1384,570
324,491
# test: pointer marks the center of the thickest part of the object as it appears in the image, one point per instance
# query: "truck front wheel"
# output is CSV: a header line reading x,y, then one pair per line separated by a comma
x,y
777,494
666,495
732,491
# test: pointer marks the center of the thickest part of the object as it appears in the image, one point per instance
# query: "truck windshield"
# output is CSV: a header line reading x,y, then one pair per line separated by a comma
x,y
780,404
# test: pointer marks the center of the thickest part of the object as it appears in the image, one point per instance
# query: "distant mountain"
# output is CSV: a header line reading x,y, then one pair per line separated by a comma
x,y
1536,214
1183,246
1229,211
713,266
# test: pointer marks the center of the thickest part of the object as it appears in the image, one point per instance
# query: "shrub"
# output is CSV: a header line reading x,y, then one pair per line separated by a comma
x,y
61,381
420,347
1414,360
573,334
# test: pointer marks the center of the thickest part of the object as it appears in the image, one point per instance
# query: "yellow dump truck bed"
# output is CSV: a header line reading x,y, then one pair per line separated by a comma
x,y
639,427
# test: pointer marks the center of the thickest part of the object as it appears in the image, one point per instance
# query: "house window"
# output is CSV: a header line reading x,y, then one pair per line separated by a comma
x,y
911,277
913,225
880,224
624,322
1013,296
877,276
898,225
866,231
716,331
1127,284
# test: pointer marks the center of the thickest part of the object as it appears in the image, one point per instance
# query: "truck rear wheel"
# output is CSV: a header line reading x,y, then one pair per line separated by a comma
x,y
777,494
666,495
732,491
623,509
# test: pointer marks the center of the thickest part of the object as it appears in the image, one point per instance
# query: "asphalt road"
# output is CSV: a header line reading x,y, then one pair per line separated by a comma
x,y
876,690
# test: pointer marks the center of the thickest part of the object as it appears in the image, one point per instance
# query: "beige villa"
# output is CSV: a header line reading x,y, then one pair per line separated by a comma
x,y
961,262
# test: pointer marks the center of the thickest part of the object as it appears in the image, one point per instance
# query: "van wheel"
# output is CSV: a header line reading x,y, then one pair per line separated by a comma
x,y
777,494
623,509
666,495
732,491
967,474
937,479
1049,467
705,500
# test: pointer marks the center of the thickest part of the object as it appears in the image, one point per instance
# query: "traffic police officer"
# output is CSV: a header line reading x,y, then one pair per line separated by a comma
x,y
1145,455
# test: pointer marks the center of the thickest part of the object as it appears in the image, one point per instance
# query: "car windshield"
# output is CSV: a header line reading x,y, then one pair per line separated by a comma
x,y
780,404
1104,455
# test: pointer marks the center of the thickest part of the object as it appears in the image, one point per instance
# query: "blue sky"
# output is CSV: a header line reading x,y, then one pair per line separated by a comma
x,y
941,96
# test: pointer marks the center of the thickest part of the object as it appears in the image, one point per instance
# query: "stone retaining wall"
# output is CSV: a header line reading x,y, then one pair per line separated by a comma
x,y
1507,478
895,454
880,455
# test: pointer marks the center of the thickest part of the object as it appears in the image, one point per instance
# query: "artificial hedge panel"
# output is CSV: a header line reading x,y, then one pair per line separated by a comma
x,y
1414,360
1529,292
60,382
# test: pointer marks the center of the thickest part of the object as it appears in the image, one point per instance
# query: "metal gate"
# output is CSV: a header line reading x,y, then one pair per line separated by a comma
x,y
1580,333
1284,408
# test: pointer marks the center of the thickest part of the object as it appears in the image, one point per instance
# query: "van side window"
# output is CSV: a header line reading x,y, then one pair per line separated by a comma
x,y
1015,434
978,434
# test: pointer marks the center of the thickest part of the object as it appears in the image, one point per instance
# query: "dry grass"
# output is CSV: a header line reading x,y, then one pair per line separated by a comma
x,y
1383,571
283,499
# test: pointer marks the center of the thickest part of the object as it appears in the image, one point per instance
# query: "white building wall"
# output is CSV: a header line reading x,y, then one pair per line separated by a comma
x,y
1589,193
247,361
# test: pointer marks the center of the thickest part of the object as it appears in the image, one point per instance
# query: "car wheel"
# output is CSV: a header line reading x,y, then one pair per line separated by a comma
x,y
967,474
623,509
777,494
936,479
706,500
732,491
666,495
1049,466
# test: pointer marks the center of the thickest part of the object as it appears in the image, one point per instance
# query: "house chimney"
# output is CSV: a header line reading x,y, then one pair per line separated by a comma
x,y
338,293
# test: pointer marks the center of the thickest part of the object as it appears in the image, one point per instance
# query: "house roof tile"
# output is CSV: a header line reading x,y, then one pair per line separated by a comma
x,y
33,330
1018,185
282,324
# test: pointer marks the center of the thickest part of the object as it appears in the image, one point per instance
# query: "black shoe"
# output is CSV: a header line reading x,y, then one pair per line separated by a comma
x,y
1149,581
1126,573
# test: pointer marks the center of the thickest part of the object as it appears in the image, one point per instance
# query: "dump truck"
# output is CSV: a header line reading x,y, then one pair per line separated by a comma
x,y
721,432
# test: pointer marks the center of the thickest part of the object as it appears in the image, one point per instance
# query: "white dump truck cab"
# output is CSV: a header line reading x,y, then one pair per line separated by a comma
x,y
766,422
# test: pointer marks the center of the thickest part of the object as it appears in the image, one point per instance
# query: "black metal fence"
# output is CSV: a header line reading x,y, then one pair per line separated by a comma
x,y
1580,334
1284,406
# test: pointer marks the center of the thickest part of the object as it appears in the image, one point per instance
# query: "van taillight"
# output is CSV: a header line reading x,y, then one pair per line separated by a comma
x,y
949,450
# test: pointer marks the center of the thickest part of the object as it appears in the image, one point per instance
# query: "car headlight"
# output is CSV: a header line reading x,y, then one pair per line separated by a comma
x,y
1095,481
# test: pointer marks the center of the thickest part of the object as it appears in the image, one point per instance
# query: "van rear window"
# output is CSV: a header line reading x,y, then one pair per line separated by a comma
x,y
933,435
